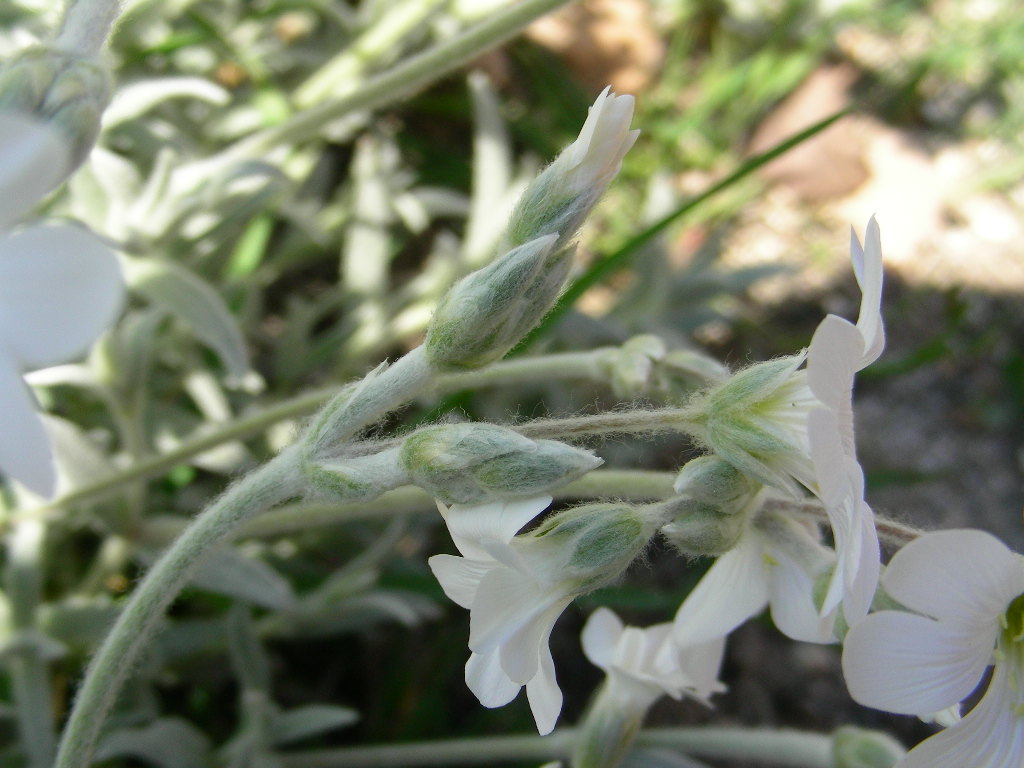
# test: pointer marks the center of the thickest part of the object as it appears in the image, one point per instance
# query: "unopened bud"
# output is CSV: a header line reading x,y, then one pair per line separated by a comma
x,y
609,729
713,480
486,313
64,89
860,748
564,193
356,478
595,543
472,463
710,512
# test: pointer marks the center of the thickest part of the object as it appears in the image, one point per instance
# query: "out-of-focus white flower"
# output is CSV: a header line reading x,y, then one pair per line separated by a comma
x,y
514,600
789,427
641,665
638,670
776,563
59,288
967,589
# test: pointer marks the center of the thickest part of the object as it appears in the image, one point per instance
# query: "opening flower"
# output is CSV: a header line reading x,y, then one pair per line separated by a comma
x,y
967,589
59,288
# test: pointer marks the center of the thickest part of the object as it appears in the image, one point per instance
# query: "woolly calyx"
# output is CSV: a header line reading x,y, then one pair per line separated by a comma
x,y
711,511
475,463
486,313
64,89
357,478
593,544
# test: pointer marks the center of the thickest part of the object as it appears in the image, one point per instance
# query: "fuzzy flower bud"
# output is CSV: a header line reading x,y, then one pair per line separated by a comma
x,y
710,510
486,313
62,88
562,196
591,545
356,478
473,463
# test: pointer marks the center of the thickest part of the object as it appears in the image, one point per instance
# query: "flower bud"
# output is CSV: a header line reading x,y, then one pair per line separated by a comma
x,y
591,545
562,195
64,89
487,312
860,748
473,463
356,478
710,512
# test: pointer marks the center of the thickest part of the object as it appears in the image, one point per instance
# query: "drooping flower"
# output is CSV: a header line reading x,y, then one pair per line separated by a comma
x,y
641,665
776,563
791,427
516,587
59,288
967,590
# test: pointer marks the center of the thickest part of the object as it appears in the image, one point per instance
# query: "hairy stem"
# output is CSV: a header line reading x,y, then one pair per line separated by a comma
x,y
134,628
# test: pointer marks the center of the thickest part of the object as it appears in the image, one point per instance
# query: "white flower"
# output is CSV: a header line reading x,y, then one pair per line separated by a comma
x,y
514,598
637,668
59,288
967,589
776,563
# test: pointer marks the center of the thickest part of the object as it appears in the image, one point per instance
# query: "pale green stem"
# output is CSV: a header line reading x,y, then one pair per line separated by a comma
x,y
400,81
632,484
342,73
570,365
87,25
890,531
792,749
132,632
30,676
644,422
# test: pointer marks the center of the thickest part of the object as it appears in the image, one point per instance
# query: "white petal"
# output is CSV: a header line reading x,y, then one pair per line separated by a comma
x,y
543,691
496,521
904,663
25,452
862,585
33,160
488,681
791,595
459,576
991,736
832,359
600,635
59,288
829,454
701,663
521,652
734,589
507,602
867,266
962,576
